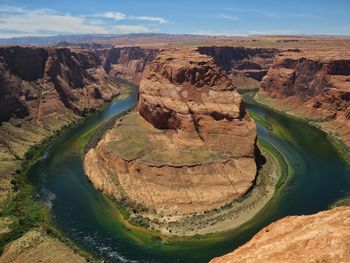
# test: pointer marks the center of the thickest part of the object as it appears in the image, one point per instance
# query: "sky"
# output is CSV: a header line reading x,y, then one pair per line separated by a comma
x,y
203,17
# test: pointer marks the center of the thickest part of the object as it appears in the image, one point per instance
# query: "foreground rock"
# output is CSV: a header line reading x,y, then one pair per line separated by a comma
x,y
322,237
190,149
313,85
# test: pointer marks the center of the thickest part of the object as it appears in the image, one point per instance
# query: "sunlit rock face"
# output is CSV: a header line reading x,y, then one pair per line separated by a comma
x,y
315,85
322,237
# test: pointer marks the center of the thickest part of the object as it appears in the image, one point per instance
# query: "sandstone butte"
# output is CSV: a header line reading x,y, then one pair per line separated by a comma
x,y
312,84
322,237
190,146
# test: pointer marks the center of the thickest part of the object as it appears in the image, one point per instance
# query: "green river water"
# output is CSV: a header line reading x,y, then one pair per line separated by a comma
x,y
317,177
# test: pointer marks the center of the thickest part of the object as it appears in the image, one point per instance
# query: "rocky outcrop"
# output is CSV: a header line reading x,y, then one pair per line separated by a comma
x,y
188,93
313,85
243,64
127,62
44,82
189,149
322,237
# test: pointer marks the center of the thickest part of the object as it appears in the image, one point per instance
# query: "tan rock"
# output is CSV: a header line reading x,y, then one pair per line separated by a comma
x,y
322,237
315,85
191,147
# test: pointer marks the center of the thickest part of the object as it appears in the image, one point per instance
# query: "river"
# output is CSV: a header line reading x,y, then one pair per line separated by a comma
x,y
317,178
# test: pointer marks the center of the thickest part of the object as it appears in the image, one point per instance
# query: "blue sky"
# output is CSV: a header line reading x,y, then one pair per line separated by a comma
x,y
210,17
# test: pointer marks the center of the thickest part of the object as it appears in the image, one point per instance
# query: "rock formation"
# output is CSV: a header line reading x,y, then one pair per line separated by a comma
x,y
322,237
314,85
126,62
189,149
45,82
246,66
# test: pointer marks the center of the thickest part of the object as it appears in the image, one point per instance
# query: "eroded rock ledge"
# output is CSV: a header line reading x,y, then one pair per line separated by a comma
x,y
312,84
189,148
322,237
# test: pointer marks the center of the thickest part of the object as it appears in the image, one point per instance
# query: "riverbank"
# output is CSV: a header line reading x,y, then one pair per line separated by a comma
x,y
321,124
222,219
21,213
28,220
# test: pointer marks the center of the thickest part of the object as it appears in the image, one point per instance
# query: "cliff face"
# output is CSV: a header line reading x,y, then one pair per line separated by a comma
x,y
315,85
41,90
189,149
188,93
322,237
244,64
41,82
127,62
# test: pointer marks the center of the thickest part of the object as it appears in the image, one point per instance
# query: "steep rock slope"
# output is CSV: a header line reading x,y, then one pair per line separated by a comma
x,y
189,149
41,90
314,85
322,237
127,62
37,82
246,66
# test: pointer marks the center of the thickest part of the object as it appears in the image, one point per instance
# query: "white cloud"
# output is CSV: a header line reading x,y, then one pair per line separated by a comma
x,y
113,15
16,21
228,17
120,16
160,20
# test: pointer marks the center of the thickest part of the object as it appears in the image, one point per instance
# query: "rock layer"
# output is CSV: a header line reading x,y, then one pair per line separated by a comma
x,y
322,237
42,82
127,62
315,85
246,66
191,147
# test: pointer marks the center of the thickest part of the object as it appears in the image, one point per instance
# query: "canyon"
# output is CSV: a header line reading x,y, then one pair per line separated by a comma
x,y
190,147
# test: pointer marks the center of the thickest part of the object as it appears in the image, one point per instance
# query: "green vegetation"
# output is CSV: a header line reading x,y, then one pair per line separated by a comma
x,y
261,120
279,160
28,213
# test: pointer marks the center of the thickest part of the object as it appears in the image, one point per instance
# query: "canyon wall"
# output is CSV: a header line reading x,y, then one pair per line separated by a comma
x,y
191,146
313,85
42,82
126,62
246,66
322,237
43,89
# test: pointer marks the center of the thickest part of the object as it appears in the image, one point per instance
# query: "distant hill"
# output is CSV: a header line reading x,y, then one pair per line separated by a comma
x,y
96,38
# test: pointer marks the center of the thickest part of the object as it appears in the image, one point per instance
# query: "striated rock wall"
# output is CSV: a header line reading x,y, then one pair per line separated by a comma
x,y
41,90
39,82
127,62
322,237
186,92
191,146
315,85
249,62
